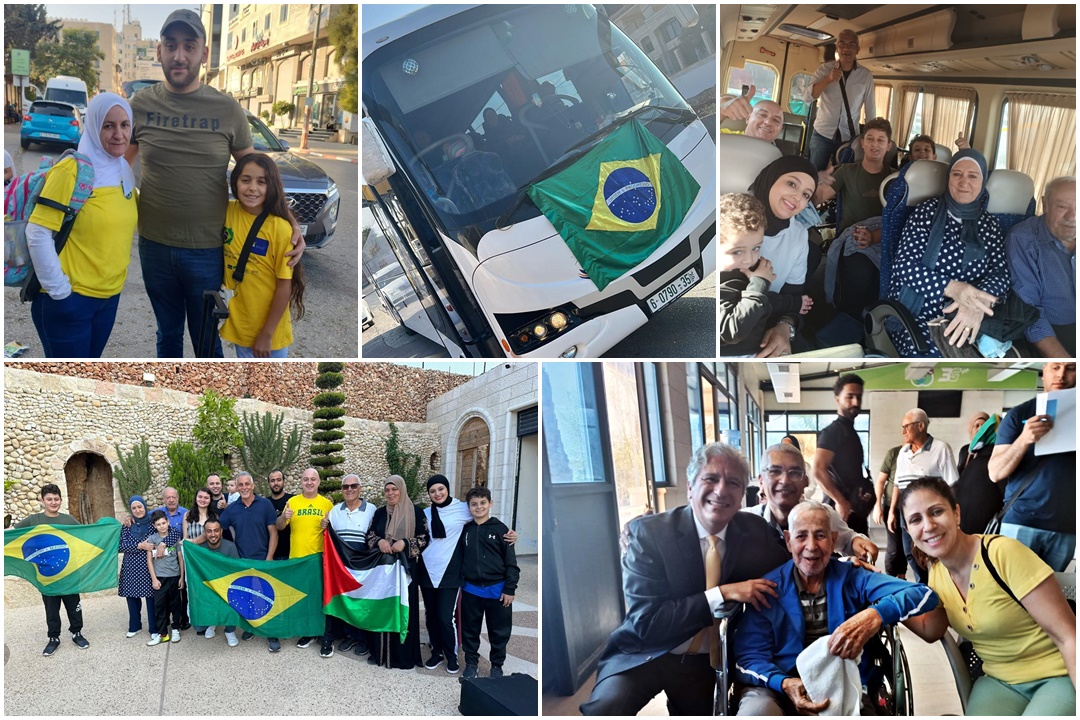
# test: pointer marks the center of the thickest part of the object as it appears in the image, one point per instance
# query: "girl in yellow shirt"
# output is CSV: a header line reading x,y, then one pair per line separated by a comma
x,y
259,323
75,312
1027,644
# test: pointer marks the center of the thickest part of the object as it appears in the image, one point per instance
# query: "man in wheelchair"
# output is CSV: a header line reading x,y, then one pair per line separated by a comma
x,y
818,599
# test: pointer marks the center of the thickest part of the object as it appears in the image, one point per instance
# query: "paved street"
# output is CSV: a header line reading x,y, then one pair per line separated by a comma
x,y
329,329
196,676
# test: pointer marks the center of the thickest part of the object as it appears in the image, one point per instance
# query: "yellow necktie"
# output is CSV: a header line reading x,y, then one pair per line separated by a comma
x,y
712,579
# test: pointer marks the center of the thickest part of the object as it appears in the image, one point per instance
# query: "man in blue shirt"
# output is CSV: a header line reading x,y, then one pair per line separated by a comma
x,y
1043,517
1042,265
253,521
172,508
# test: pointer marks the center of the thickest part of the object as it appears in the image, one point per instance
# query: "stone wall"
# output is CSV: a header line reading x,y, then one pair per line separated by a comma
x,y
48,418
374,391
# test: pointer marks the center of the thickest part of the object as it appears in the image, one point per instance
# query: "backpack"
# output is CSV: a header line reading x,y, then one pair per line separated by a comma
x,y
21,196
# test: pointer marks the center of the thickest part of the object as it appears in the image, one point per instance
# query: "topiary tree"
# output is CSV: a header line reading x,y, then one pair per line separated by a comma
x,y
282,108
217,429
407,465
133,472
188,468
326,428
265,447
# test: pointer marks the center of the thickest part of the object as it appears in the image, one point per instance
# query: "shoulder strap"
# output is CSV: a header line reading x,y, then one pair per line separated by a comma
x,y
847,108
1001,513
993,570
249,243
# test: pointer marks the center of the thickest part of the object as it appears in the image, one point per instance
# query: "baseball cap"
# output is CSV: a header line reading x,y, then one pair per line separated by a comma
x,y
189,18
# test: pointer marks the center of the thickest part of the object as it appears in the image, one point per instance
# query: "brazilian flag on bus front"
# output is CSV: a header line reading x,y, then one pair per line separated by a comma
x,y
270,598
618,202
64,559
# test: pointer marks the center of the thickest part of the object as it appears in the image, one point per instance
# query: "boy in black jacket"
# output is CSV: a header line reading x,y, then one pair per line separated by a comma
x,y
489,568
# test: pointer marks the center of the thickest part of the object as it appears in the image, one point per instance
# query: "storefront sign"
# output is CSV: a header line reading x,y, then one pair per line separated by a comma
x,y
945,376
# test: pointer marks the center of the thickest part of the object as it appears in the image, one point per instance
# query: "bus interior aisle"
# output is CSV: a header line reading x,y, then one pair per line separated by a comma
x,y
890,104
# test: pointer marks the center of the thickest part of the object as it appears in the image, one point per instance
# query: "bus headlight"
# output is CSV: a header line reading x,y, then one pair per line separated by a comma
x,y
539,331
525,337
558,320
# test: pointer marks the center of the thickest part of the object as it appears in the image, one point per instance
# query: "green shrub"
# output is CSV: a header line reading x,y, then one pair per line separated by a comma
x,y
407,465
188,468
328,399
328,413
326,448
327,436
331,367
329,380
266,448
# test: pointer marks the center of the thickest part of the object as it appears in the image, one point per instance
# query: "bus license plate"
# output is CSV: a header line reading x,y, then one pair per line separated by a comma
x,y
673,290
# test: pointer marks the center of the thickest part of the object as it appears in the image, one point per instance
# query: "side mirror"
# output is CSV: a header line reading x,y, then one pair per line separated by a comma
x,y
284,143
375,157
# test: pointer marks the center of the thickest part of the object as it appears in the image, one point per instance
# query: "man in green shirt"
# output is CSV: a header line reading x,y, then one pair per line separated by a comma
x,y
50,499
185,133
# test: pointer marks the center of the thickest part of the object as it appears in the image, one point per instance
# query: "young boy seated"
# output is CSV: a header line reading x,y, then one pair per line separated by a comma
x,y
489,569
923,148
167,578
748,324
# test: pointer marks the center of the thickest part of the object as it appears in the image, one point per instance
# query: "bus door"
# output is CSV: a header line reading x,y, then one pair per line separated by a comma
x,y
399,280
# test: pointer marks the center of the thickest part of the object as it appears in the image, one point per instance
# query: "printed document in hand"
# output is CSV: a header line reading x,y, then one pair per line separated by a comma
x,y
1060,405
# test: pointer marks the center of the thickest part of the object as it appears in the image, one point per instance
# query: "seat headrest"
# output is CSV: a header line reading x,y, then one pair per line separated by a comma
x,y
944,154
926,179
744,158
1010,191
733,125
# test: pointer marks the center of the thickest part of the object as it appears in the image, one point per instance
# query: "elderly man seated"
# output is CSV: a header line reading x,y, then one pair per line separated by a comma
x,y
784,479
817,597
1042,267
764,121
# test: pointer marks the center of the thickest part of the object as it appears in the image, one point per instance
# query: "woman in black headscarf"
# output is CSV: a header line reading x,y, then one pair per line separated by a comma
x,y
785,187
951,258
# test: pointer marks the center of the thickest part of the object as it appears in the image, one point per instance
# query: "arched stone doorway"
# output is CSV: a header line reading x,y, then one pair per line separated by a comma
x,y
473,450
89,487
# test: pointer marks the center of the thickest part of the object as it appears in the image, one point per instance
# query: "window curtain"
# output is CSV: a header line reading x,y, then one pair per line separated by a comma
x,y
947,112
909,99
882,101
1041,139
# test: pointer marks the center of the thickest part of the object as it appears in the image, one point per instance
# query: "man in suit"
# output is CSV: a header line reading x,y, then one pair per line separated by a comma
x,y
668,605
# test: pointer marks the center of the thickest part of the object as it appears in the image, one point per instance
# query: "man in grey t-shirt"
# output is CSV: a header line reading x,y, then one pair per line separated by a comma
x,y
215,543
184,134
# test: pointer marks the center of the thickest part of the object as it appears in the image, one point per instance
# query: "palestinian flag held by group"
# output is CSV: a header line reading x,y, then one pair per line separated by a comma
x,y
65,559
619,202
269,598
367,589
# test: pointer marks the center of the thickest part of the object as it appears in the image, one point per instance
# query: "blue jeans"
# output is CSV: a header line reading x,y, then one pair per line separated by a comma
x,y
246,353
175,279
135,614
1056,549
75,327
821,150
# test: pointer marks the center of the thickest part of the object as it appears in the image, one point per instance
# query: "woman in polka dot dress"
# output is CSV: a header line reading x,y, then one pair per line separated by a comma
x,y
135,581
951,257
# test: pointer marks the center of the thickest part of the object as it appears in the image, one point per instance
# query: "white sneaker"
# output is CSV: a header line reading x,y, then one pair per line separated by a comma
x,y
175,636
210,633
155,639
133,634
231,639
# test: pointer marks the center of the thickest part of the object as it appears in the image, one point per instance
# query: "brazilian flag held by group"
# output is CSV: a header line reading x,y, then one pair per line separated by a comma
x,y
65,559
619,202
270,598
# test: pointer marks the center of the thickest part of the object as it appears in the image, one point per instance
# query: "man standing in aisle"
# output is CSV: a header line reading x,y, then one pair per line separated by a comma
x,y
844,88
184,135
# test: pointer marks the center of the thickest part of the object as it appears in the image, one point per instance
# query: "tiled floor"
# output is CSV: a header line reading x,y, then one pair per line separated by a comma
x,y
931,678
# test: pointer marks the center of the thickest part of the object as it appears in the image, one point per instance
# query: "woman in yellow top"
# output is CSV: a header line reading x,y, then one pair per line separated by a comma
x,y
258,324
1027,644
75,312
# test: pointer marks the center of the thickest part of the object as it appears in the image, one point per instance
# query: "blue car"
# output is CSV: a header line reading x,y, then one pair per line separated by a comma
x,y
51,121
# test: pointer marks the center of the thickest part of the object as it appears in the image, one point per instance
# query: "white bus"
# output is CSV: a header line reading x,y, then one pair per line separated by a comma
x,y
490,273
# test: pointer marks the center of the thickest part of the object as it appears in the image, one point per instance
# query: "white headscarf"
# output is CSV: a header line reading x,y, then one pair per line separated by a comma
x,y
109,171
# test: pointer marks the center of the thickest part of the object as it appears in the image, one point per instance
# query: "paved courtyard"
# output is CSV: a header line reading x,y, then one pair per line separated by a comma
x,y
120,676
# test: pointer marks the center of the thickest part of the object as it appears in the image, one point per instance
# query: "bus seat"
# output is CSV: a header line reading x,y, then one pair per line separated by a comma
x,y
743,158
944,154
917,181
737,126
1012,197
479,180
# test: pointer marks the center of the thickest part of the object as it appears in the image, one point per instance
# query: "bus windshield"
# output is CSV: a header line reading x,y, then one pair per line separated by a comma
x,y
480,104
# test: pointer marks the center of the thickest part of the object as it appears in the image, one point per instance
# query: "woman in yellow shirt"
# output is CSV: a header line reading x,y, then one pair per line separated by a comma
x,y
1028,642
75,312
259,324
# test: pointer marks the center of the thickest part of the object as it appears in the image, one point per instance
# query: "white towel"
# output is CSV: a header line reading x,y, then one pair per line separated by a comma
x,y
827,676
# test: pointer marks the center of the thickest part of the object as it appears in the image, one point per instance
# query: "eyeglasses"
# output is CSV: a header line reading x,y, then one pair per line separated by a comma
x,y
905,426
353,486
776,471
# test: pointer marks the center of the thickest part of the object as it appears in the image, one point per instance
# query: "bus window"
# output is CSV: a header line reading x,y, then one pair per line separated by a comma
x,y
796,102
1038,135
940,112
882,101
761,76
